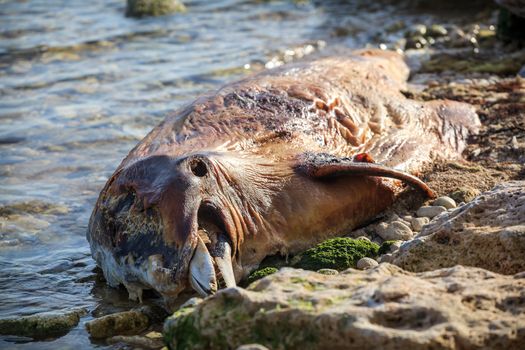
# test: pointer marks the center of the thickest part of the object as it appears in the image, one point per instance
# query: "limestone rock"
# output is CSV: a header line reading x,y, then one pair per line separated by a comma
x,y
381,308
487,232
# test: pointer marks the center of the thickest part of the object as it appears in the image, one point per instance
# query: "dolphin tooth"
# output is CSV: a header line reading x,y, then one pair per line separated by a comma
x,y
202,273
224,264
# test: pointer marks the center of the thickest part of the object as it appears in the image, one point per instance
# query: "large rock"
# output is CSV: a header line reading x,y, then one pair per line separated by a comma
x,y
380,308
488,232
45,325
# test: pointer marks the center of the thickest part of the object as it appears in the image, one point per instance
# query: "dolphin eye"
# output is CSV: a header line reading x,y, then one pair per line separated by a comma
x,y
198,167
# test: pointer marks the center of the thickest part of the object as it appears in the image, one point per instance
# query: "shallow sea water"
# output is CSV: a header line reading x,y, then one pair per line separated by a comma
x,y
81,84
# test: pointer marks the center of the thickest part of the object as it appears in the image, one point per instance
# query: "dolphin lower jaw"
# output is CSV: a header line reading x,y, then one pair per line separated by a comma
x,y
211,266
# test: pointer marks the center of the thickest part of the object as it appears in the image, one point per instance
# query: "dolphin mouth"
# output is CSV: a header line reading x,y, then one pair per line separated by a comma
x,y
211,266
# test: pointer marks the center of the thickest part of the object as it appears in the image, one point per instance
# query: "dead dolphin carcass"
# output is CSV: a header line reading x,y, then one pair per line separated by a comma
x,y
271,164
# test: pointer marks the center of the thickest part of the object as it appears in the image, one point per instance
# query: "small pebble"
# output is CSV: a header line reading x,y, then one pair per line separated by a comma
x,y
418,223
394,231
430,211
364,238
366,263
445,201
328,272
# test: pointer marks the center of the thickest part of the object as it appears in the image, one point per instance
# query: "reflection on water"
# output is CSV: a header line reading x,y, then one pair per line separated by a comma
x,y
80,84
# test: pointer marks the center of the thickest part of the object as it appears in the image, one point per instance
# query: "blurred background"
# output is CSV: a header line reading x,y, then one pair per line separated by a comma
x,y
81,82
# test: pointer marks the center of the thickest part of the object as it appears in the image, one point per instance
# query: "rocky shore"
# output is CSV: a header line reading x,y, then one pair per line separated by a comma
x,y
439,274
447,273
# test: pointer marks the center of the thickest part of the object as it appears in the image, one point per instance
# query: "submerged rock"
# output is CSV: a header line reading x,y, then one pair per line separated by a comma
x,y
381,308
41,326
336,253
487,232
142,342
140,8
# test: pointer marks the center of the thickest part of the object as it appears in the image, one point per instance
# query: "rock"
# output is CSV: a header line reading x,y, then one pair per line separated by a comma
x,y
513,237
417,29
365,238
386,258
389,247
252,347
430,211
120,323
366,263
140,8
394,231
416,42
437,31
418,223
41,326
381,308
445,201
260,273
328,272
488,232
336,253
191,302
137,341
465,194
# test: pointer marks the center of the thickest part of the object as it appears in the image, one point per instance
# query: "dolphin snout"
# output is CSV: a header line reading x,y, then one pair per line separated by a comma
x,y
166,230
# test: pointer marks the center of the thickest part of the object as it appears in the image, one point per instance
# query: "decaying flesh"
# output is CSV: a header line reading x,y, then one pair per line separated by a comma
x,y
271,164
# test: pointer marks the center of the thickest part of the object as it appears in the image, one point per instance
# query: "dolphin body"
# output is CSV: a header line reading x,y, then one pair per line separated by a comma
x,y
274,163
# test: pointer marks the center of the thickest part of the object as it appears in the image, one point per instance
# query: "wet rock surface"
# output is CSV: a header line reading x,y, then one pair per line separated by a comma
x,y
142,8
130,322
41,326
487,232
384,307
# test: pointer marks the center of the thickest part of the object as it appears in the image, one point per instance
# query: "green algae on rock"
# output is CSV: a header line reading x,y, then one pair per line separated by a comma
x,y
337,253
141,8
41,326
260,273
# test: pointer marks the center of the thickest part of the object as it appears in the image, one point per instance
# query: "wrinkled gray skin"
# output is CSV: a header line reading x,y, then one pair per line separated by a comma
x,y
272,164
